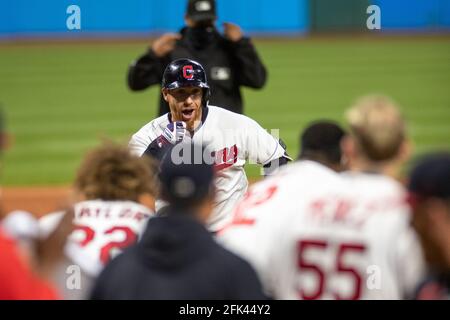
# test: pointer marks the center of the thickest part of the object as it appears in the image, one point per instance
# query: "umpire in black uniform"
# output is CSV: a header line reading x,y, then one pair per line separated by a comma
x,y
177,258
230,60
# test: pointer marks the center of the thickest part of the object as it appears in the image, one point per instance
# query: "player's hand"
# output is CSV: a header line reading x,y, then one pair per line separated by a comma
x,y
173,133
165,44
232,31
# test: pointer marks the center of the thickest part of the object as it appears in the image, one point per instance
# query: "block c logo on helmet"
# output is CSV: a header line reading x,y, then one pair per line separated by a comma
x,y
188,72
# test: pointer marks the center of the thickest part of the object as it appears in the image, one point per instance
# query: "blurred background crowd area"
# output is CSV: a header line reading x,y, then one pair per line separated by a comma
x,y
62,90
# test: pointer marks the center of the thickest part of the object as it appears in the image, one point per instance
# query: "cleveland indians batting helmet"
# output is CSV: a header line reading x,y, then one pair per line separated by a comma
x,y
183,73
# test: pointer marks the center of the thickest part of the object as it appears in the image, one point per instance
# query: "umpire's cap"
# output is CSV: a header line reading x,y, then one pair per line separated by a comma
x,y
431,177
183,73
187,175
201,10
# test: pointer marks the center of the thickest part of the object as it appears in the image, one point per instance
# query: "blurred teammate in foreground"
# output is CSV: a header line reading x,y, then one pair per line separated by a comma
x,y
321,142
26,266
312,233
429,189
114,194
177,258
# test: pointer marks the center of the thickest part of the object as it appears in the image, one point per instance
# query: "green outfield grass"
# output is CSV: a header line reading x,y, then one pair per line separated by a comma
x,y
60,100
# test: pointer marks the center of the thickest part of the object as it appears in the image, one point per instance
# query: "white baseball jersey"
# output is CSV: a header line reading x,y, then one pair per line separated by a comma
x,y
235,139
314,234
102,229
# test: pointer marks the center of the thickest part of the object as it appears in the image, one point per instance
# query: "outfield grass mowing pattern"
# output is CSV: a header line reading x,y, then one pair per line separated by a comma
x,y
61,99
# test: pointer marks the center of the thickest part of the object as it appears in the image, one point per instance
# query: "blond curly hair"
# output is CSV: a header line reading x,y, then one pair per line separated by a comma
x,y
378,127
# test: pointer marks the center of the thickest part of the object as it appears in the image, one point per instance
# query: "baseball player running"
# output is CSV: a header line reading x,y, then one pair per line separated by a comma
x,y
235,139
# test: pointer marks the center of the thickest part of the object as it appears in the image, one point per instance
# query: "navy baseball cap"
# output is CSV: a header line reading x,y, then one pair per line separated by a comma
x,y
186,175
431,177
201,10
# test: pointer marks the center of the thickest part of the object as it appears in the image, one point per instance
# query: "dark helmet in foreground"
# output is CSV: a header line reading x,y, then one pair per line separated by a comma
x,y
182,73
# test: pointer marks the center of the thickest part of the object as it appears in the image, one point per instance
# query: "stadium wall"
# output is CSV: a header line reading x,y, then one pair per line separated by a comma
x,y
414,15
47,18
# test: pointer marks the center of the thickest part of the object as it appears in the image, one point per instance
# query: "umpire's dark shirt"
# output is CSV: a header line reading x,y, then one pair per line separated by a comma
x,y
177,259
228,66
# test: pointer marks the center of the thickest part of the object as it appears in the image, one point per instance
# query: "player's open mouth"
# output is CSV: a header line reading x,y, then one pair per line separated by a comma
x,y
187,114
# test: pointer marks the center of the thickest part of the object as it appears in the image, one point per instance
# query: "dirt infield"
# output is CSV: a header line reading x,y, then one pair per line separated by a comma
x,y
40,200
37,200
